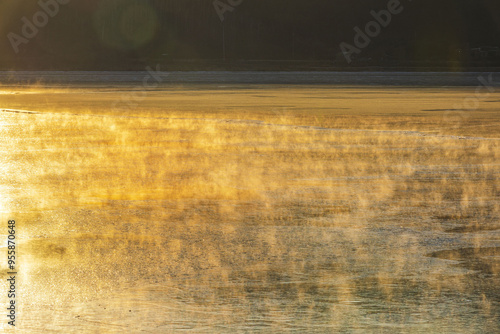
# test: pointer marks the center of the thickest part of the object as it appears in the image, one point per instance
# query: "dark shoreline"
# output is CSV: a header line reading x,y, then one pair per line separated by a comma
x,y
411,79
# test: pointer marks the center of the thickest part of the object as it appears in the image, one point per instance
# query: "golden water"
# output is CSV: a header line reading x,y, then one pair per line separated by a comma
x,y
246,209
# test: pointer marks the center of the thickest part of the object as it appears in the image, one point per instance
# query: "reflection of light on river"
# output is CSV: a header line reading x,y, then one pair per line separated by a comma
x,y
4,169
9,205
5,199
191,222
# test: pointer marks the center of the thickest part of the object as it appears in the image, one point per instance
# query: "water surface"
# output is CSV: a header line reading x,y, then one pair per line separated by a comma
x,y
251,209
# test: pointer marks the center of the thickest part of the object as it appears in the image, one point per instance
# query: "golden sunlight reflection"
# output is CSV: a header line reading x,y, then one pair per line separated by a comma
x,y
183,217
6,167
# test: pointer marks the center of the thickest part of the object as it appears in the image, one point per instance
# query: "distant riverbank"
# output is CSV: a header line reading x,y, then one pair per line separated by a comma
x,y
439,79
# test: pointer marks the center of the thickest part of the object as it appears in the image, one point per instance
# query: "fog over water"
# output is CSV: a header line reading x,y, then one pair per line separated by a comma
x,y
232,202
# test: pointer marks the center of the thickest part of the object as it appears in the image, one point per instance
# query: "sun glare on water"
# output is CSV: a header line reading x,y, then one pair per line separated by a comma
x,y
230,215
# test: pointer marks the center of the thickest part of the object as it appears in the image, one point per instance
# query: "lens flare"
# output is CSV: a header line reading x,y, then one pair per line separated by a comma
x,y
125,24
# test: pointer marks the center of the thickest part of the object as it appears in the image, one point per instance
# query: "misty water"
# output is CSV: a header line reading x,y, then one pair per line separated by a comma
x,y
252,209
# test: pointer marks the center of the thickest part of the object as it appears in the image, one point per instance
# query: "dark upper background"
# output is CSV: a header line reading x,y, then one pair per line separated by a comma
x,y
259,34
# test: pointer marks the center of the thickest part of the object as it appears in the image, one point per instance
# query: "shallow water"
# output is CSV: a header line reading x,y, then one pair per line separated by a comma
x,y
178,217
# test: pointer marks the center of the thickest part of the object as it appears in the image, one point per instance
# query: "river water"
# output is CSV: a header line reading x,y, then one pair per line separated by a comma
x,y
250,209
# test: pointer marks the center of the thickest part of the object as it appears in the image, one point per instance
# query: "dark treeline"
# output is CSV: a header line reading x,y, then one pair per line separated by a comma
x,y
274,34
